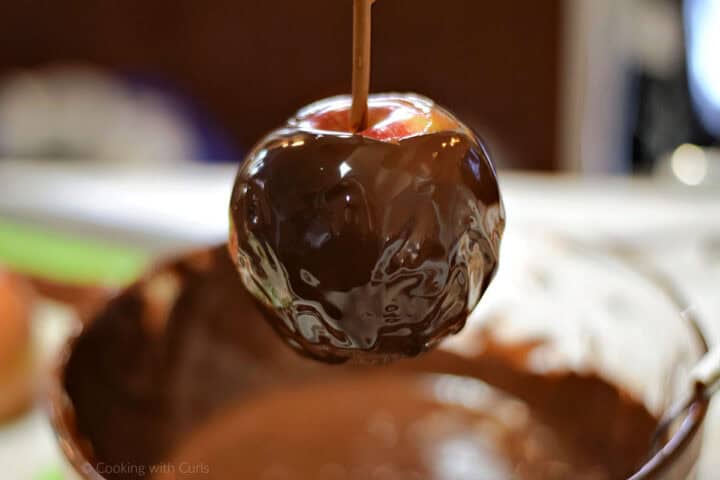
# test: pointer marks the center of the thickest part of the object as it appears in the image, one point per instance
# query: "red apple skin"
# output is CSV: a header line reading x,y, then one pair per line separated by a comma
x,y
391,118
367,246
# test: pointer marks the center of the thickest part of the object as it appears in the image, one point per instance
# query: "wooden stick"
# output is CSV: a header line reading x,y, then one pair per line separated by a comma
x,y
362,10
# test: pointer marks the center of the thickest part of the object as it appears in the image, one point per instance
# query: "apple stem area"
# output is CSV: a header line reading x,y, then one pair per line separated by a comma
x,y
362,19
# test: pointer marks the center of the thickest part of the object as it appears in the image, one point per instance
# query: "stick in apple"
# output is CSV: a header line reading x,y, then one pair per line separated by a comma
x,y
362,10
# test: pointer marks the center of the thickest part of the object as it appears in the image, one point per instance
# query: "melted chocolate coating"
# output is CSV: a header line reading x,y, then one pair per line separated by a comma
x,y
363,249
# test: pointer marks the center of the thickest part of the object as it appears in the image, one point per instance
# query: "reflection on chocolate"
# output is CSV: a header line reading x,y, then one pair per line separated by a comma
x,y
167,373
363,249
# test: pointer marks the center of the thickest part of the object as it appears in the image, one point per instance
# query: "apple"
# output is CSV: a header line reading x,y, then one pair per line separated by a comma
x,y
367,246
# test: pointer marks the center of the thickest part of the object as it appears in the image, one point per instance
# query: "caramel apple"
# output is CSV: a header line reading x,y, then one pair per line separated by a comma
x,y
367,245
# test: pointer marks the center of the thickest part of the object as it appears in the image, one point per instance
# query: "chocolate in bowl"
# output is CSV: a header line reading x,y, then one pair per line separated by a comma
x,y
167,380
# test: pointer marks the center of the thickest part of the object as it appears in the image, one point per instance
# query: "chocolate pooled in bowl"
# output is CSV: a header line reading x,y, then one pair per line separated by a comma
x,y
422,426
167,382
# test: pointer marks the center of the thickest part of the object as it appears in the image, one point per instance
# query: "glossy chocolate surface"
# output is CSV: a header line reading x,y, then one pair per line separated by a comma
x,y
425,427
364,249
167,375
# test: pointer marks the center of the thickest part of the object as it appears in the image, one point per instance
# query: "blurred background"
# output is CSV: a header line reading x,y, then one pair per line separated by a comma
x,y
152,90
612,86
122,124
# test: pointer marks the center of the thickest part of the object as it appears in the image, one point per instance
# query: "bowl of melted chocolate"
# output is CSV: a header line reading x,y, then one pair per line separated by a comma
x,y
562,372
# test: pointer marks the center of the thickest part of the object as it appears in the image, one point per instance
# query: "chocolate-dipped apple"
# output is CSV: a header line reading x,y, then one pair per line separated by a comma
x,y
367,245
367,235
